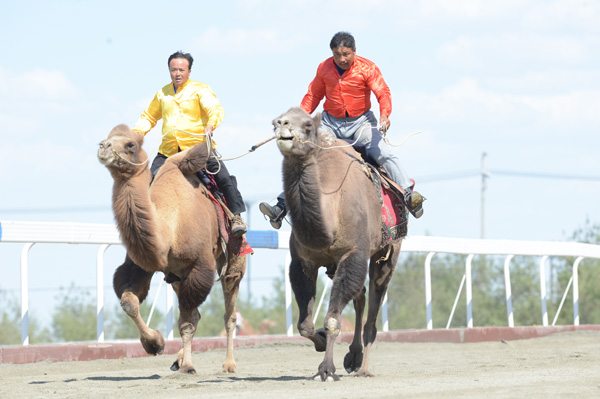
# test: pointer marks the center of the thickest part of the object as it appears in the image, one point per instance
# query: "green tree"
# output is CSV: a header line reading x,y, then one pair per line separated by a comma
x,y
589,280
75,317
120,326
10,324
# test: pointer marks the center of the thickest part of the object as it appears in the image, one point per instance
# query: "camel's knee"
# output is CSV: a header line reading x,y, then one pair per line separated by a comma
x,y
332,327
130,304
306,328
186,329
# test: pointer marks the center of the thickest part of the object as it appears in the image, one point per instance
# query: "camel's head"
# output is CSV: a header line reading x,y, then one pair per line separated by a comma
x,y
122,150
297,132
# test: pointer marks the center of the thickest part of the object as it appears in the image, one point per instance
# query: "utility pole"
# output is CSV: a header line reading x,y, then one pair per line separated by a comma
x,y
484,176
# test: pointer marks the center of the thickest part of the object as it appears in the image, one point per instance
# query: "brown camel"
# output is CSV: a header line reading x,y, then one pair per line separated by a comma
x,y
171,227
336,223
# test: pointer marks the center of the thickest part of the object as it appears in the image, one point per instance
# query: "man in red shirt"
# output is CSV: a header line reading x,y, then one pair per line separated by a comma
x,y
346,81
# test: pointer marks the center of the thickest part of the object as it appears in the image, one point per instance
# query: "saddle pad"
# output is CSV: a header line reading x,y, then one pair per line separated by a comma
x,y
236,245
394,215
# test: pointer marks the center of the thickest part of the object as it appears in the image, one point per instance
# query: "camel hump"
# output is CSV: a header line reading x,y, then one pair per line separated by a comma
x,y
191,160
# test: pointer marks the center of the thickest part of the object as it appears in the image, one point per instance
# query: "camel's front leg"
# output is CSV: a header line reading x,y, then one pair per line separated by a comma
x,y
152,340
231,286
348,283
131,284
188,321
305,288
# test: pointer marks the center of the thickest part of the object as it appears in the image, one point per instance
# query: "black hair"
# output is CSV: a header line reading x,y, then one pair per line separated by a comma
x,y
342,39
181,54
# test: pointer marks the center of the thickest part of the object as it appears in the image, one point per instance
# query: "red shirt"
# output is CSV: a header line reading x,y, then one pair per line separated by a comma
x,y
349,93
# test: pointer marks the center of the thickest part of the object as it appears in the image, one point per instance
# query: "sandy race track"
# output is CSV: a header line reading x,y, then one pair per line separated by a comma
x,y
559,365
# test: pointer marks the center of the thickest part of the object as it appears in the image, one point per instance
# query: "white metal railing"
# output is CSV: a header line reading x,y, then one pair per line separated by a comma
x,y
30,233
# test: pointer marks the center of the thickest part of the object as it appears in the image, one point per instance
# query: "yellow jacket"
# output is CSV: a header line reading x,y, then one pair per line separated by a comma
x,y
190,109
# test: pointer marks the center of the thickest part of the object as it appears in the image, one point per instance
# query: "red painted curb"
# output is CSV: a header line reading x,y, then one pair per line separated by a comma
x,y
116,350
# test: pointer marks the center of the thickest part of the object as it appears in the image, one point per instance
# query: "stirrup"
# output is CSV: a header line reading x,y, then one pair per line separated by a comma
x,y
238,227
414,203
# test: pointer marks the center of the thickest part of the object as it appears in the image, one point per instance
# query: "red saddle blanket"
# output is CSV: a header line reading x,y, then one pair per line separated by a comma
x,y
236,245
394,215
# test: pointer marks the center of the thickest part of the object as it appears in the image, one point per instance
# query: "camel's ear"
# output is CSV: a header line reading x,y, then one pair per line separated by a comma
x,y
317,120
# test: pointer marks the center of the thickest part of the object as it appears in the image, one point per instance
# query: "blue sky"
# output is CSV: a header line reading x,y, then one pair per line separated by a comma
x,y
518,80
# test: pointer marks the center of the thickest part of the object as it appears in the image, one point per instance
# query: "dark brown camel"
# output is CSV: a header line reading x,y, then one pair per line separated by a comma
x,y
336,223
171,227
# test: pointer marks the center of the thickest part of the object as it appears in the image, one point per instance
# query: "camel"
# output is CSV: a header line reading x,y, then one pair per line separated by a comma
x,y
169,226
336,223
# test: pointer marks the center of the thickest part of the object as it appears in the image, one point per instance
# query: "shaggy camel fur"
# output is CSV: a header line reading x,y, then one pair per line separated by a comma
x,y
336,223
171,227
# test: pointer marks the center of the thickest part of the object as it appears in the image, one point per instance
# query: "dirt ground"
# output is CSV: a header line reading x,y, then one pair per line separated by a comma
x,y
560,365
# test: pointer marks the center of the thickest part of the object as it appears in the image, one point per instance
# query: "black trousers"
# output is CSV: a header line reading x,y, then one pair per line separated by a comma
x,y
227,183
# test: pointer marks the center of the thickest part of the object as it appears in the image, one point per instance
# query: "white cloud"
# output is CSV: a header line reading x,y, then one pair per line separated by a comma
x,y
240,41
513,50
466,102
467,8
38,84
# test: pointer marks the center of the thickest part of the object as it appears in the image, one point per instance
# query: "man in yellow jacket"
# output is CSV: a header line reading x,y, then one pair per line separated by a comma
x,y
190,111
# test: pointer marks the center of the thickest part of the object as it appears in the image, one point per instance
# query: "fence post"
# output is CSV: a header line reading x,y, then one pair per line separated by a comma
x,y
25,294
428,290
576,291
170,312
509,310
100,293
469,291
543,290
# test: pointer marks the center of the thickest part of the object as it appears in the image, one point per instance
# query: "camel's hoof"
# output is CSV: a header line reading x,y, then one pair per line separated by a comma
x,y
353,361
320,340
363,373
228,368
326,377
175,366
154,345
188,370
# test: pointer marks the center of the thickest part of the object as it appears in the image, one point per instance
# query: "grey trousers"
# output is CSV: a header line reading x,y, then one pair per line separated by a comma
x,y
363,130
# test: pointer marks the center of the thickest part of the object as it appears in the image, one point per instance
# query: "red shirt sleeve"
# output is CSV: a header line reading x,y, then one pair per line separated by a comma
x,y
381,90
316,92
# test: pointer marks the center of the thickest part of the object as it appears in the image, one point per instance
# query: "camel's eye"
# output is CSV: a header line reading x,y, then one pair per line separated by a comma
x,y
130,145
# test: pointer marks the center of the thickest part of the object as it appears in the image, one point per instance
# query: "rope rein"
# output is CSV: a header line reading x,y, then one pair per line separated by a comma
x,y
381,128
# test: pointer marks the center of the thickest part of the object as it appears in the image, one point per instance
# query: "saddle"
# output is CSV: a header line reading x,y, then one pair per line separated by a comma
x,y
238,246
394,213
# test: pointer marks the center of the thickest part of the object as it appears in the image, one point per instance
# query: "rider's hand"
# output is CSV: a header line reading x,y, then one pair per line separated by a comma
x,y
385,123
209,129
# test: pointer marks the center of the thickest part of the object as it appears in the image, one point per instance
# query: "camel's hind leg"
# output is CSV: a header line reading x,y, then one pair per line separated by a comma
x,y
354,357
192,291
131,284
380,275
231,287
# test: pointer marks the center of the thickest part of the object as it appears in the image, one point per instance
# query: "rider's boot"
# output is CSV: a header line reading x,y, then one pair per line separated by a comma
x,y
275,213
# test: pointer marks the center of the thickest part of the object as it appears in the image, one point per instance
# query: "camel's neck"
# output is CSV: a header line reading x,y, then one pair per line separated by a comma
x,y
136,219
303,197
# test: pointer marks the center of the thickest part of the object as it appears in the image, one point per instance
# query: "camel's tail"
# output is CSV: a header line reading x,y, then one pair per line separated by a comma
x,y
191,160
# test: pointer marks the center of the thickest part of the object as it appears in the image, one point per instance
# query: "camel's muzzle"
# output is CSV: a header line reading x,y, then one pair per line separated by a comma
x,y
106,154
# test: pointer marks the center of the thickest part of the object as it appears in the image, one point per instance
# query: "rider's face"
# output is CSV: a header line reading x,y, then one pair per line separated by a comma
x,y
179,68
343,56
